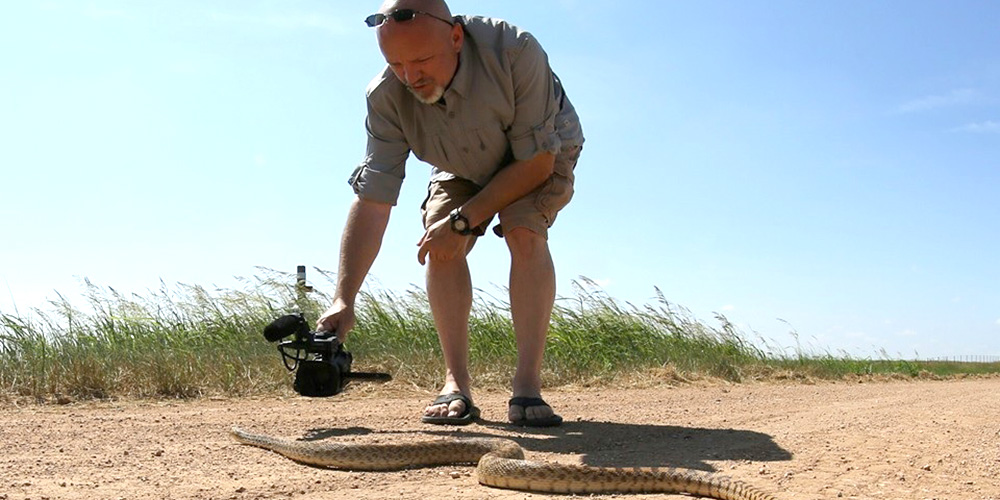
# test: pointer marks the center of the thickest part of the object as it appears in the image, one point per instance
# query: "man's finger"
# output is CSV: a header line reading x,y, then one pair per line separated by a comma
x,y
422,253
326,324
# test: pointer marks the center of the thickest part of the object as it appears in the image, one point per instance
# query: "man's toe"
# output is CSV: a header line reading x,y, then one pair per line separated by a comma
x,y
538,411
436,410
515,413
533,412
455,409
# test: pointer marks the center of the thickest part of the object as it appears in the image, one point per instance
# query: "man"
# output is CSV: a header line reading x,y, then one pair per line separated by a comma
x,y
476,99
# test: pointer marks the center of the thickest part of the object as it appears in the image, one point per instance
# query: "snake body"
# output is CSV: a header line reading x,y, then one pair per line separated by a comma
x,y
500,463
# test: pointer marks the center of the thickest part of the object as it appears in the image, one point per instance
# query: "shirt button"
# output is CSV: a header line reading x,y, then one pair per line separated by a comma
x,y
451,114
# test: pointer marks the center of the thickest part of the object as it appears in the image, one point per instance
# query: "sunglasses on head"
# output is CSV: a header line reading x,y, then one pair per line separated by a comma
x,y
401,15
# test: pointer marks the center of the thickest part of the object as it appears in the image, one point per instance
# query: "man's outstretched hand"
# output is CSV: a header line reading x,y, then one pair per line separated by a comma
x,y
338,318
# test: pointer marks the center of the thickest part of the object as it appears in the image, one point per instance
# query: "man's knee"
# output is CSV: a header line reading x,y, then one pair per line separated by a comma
x,y
526,244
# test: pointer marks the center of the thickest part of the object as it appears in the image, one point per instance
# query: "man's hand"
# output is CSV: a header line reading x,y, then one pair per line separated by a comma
x,y
441,243
338,318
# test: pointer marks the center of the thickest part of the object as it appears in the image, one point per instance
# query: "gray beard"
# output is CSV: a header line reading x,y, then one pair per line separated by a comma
x,y
435,97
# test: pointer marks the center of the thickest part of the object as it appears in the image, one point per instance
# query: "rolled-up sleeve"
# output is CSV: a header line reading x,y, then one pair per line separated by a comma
x,y
533,130
380,176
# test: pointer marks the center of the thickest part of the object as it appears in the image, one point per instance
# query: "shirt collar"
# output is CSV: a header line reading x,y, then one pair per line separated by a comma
x,y
461,81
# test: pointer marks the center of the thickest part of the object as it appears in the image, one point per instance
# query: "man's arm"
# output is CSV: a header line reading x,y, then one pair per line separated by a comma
x,y
360,244
510,184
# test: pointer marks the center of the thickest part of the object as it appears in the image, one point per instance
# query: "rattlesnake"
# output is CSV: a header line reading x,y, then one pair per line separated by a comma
x,y
501,464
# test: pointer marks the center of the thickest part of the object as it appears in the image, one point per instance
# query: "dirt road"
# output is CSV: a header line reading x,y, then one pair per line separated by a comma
x,y
881,440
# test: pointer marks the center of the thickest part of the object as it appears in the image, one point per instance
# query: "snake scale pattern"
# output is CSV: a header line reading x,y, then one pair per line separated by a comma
x,y
500,463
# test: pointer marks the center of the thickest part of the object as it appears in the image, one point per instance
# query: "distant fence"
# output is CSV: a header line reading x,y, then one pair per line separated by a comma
x,y
972,358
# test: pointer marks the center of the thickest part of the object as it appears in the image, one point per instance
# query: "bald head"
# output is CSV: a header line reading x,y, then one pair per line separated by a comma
x,y
422,52
435,7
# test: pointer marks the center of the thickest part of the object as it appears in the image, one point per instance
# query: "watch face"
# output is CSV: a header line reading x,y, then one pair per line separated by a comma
x,y
459,223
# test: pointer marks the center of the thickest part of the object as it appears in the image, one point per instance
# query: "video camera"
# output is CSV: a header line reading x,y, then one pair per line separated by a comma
x,y
323,366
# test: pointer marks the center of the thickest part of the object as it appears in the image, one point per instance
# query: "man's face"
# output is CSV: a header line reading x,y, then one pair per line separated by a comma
x,y
422,53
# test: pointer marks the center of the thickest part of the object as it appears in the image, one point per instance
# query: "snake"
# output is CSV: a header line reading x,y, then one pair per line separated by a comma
x,y
500,463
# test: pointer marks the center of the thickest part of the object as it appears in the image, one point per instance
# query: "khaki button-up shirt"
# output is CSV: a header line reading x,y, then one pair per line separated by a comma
x,y
504,104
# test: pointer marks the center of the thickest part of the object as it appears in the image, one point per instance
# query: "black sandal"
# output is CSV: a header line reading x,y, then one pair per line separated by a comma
x,y
468,416
550,421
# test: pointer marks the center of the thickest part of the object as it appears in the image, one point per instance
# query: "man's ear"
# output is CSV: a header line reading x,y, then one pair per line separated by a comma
x,y
457,37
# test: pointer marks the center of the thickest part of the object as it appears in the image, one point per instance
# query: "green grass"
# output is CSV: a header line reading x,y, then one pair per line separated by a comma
x,y
188,341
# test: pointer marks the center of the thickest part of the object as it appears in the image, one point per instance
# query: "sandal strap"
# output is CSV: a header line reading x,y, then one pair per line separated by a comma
x,y
454,396
526,402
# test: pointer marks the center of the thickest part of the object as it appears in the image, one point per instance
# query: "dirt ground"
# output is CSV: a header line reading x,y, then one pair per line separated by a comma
x,y
880,440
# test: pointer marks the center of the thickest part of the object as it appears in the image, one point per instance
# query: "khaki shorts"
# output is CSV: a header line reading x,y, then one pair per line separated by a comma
x,y
535,211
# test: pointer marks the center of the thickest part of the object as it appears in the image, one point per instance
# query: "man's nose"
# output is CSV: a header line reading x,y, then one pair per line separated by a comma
x,y
412,74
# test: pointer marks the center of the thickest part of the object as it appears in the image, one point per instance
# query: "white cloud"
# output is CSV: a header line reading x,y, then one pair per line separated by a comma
x,y
603,283
987,127
728,307
998,322
957,97
907,333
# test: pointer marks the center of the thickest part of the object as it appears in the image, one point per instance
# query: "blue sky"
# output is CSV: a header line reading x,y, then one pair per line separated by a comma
x,y
828,168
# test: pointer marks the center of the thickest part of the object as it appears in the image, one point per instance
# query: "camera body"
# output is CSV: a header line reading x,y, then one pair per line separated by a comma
x,y
321,364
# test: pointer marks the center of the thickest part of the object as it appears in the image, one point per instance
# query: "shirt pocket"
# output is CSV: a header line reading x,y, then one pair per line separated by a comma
x,y
473,153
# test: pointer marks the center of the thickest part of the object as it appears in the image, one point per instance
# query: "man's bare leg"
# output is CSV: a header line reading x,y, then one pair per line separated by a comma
x,y
532,295
449,291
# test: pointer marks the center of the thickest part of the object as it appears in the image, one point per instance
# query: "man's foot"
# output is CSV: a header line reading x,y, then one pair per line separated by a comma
x,y
450,409
531,412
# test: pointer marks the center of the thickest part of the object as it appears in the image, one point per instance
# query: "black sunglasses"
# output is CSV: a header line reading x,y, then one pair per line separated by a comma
x,y
399,16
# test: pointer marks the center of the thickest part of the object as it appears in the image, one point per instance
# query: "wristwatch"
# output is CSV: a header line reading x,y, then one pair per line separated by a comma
x,y
459,223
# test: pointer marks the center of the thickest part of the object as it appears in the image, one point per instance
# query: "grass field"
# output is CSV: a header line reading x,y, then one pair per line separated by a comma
x,y
188,341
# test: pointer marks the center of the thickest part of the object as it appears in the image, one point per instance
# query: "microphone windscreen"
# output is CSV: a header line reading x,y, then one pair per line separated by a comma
x,y
283,327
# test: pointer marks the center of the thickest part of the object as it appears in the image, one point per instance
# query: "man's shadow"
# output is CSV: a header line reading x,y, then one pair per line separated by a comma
x,y
614,444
